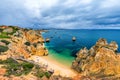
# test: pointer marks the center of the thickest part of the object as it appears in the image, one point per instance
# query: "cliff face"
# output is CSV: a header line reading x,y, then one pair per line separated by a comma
x,y
37,41
17,46
99,61
23,42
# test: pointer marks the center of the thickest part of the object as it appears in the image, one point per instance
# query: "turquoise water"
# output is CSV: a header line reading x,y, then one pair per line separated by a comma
x,y
63,49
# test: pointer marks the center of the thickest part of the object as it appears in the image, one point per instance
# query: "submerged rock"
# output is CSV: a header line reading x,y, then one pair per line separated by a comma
x,y
100,61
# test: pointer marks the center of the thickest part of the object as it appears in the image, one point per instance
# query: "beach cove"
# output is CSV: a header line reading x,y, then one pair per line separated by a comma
x,y
62,49
51,64
51,54
24,45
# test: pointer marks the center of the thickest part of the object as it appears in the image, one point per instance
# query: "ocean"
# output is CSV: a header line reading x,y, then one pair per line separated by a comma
x,y
62,49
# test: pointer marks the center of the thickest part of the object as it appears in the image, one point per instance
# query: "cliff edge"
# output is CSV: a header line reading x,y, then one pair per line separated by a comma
x,y
20,42
100,61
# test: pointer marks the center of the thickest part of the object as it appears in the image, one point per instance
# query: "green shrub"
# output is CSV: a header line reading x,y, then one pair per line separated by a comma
x,y
14,30
10,60
15,68
3,48
47,74
4,35
41,73
27,65
35,44
5,41
1,30
27,43
18,69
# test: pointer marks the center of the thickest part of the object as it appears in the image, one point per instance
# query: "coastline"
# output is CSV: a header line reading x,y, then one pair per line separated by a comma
x,y
59,69
30,46
27,51
63,59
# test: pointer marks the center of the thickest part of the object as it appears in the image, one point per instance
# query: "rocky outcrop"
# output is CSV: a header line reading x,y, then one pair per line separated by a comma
x,y
99,61
36,41
2,71
55,77
24,42
8,30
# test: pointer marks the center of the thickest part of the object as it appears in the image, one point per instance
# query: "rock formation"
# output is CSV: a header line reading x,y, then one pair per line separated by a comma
x,y
8,30
19,40
73,38
100,61
47,40
22,44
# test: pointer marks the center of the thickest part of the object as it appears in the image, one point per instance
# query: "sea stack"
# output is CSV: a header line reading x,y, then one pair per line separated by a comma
x,y
47,40
73,38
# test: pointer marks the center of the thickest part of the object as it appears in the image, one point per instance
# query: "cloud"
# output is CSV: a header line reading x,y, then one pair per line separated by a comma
x,y
110,4
61,13
35,7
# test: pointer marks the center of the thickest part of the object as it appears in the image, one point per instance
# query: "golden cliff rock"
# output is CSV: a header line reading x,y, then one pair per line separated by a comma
x,y
101,61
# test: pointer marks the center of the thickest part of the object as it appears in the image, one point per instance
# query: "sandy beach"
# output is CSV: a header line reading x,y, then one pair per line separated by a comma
x,y
59,69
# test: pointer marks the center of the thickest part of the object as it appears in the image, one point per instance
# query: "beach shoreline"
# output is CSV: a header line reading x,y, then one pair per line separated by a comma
x,y
52,64
59,69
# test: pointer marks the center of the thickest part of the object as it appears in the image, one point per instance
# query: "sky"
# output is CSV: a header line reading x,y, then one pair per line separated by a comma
x,y
67,14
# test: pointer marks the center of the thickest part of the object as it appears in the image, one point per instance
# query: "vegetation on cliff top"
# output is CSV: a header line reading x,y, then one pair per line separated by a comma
x,y
5,41
5,31
23,68
3,48
4,35
15,68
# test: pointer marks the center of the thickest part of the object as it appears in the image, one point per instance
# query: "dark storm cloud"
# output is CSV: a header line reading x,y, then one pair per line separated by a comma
x,y
91,14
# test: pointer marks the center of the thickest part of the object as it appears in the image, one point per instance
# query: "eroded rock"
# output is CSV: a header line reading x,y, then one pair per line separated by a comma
x,y
101,60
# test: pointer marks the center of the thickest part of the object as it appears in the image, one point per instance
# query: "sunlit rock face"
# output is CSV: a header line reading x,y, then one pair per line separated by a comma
x,y
8,30
23,42
100,61
36,41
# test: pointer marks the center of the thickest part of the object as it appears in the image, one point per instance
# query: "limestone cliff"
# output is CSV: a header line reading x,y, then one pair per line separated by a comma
x,y
99,61
23,42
